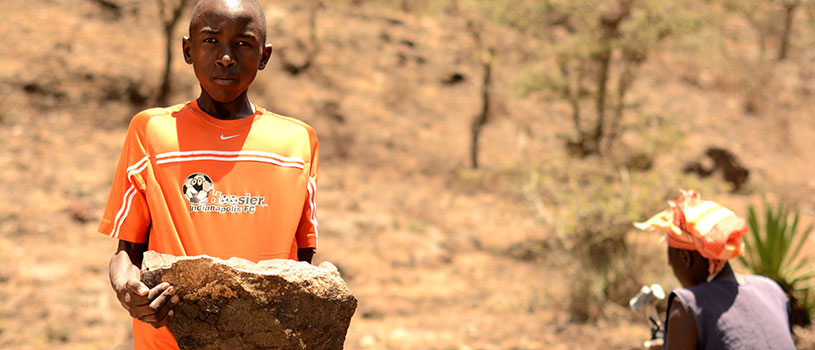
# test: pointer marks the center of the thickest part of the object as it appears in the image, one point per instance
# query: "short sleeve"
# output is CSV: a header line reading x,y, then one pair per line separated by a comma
x,y
307,230
127,216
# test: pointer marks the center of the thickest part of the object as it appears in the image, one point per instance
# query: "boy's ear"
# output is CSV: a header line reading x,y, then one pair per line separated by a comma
x,y
265,55
185,49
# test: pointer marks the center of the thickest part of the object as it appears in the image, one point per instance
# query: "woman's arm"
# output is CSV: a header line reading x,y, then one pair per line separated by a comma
x,y
681,328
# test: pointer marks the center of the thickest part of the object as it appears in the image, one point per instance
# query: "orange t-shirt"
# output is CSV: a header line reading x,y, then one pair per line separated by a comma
x,y
189,184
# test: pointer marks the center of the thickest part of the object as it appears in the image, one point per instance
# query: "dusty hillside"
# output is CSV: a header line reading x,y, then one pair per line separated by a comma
x,y
428,246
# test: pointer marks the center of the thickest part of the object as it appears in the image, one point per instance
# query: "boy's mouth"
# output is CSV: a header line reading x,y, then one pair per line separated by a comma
x,y
224,80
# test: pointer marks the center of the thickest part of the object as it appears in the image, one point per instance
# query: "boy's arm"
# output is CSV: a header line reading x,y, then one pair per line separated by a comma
x,y
306,235
153,306
305,254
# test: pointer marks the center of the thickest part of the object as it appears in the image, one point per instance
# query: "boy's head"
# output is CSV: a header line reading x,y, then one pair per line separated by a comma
x,y
226,46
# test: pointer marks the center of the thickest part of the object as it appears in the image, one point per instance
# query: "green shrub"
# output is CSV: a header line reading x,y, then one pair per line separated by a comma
x,y
592,203
772,250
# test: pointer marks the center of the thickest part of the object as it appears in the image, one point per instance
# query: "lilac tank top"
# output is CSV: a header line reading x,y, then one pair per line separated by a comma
x,y
752,315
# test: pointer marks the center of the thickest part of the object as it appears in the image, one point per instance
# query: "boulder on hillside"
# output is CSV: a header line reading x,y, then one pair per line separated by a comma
x,y
237,304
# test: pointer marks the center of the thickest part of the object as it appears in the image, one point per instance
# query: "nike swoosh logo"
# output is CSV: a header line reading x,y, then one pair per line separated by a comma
x,y
229,137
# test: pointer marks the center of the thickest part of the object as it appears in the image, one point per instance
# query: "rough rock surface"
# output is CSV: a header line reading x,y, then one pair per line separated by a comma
x,y
237,304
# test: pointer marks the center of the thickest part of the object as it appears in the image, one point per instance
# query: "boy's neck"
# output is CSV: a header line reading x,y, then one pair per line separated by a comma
x,y
237,109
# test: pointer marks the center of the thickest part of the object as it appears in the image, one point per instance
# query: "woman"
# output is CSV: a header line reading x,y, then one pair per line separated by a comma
x,y
716,308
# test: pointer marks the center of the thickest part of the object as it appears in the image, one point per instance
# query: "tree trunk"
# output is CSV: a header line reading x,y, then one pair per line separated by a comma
x,y
789,15
604,61
623,84
482,118
571,92
169,18
164,91
610,24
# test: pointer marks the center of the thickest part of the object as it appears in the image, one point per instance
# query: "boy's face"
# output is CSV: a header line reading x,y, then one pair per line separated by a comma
x,y
226,47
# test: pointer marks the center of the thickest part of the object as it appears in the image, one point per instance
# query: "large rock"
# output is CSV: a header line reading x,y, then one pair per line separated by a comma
x,y
237,304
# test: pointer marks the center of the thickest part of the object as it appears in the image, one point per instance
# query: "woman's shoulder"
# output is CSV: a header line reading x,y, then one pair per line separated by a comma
x,y
764,284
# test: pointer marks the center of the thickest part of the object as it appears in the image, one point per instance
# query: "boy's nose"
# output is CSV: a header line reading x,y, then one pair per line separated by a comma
x,y
225,61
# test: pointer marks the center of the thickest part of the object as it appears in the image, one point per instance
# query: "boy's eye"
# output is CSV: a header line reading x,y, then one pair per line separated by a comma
x,y
243,43
209,40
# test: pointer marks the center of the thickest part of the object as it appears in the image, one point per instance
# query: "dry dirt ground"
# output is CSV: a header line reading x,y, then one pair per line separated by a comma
x,y
423,242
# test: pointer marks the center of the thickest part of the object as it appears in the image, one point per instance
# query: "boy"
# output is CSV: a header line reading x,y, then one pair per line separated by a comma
x,y
217,175
716,308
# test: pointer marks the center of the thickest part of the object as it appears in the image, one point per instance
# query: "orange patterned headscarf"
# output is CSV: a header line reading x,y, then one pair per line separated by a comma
x,y
705,226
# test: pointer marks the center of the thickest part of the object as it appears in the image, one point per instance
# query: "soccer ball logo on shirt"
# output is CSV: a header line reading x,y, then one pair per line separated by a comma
x,y
197,187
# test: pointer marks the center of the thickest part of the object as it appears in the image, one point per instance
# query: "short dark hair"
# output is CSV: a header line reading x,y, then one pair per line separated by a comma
x,y
254,3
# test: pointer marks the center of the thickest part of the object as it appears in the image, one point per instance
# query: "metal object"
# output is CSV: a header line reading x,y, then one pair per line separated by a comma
x,y
645,302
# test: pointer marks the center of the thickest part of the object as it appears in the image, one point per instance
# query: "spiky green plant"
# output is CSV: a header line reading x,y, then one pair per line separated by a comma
x,y
773,250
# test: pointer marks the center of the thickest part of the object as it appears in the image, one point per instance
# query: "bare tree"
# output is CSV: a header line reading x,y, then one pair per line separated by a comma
x,y
755,13
763,16
170,13
312,49
578,73
597,48
487,58
610,25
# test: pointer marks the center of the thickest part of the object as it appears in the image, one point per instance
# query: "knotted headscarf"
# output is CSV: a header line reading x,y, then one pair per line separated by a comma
x,y
705,226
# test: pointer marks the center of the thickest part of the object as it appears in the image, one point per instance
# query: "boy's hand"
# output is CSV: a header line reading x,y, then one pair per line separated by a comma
x,y
153,306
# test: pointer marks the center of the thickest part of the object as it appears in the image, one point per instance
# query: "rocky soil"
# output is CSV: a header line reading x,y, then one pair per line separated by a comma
x,y
436,253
